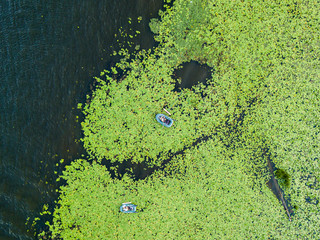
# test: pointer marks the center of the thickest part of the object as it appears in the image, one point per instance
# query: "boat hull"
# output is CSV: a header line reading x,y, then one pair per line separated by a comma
x,y
128,208
166,124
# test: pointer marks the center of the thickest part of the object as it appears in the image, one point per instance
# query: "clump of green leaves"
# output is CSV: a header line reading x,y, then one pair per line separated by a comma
x,y
202,194
283,177
120,120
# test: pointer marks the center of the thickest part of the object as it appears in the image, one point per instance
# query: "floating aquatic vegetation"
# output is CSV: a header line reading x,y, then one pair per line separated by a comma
x,y
266,95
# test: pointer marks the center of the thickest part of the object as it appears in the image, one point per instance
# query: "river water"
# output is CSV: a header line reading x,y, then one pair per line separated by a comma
x,y
50,51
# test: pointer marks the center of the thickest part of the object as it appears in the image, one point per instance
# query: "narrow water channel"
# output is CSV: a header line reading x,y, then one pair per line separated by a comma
x,y
50,51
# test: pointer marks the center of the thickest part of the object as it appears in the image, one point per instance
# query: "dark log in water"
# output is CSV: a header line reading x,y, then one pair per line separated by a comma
x,y
274,186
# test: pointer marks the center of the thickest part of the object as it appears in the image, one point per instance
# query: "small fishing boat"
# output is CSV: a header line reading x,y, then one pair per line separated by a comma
x,y
164,120
128,208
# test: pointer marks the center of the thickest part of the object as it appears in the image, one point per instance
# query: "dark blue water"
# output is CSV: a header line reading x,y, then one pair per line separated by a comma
x,y
50,51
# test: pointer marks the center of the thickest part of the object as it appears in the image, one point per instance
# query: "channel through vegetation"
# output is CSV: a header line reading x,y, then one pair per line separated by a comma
x,y
209,171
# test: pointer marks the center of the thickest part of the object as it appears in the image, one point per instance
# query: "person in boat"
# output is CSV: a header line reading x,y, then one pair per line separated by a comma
x,y
127,208
164,120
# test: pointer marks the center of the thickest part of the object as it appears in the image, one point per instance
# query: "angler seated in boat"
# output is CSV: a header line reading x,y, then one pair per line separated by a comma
x,y
128,208
164,120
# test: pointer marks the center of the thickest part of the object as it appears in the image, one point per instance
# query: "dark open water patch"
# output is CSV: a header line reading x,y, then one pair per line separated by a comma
x,y
50,51
191,73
